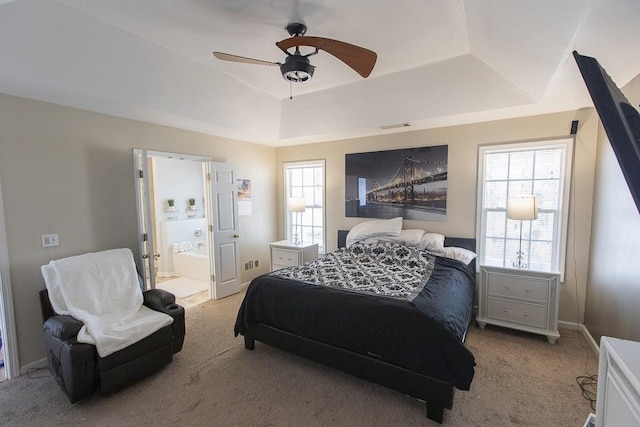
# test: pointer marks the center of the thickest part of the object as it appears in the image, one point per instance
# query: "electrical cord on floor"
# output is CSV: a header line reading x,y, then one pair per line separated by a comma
x,y
589,384
44,373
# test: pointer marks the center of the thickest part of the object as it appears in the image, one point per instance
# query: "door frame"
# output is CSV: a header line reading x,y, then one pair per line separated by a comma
x,y
7,312
143,206
205,161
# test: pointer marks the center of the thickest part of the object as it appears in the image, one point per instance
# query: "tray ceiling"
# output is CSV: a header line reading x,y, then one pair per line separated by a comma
x,y
440,62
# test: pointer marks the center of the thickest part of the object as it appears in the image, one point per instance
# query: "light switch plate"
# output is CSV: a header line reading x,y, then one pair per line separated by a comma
x,y
50,240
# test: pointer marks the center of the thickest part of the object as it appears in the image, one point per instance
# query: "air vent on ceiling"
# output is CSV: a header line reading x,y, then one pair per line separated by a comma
x,y
397,125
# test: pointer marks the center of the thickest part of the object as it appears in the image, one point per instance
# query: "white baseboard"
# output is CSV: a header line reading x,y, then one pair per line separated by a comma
x,y
572,326
594,345
585,332
38,364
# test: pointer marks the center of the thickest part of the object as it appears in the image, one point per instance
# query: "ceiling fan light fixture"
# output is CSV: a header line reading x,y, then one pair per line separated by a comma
x,y
297,69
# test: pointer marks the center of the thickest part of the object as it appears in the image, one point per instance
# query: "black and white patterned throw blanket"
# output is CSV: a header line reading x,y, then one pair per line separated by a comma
x,y
385,269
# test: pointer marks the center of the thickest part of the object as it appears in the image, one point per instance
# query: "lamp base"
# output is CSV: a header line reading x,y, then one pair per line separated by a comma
x,y
519,261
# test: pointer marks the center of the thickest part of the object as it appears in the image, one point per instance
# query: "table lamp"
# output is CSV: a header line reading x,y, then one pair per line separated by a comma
x,y
523,208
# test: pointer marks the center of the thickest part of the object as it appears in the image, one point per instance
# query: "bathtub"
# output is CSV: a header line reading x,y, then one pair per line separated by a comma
x,y
193,264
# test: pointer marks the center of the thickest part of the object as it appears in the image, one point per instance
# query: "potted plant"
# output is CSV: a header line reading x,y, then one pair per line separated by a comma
x,y
192,204
171,204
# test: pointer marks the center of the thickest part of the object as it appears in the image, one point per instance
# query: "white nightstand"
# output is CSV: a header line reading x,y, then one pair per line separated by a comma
x,y
519,299
618,399
285,254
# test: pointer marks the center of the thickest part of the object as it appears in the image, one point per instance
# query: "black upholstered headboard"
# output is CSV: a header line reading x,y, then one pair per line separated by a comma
x,y
461,242
342,238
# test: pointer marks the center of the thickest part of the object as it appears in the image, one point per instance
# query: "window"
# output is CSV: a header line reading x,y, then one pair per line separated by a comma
x,y
305,180
541,169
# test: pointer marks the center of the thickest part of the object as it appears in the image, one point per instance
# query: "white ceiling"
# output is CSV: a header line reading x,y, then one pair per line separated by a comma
x,y
440,62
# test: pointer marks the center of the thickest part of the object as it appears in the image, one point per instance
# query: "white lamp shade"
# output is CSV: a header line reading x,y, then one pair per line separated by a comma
x,y
522,208
296,204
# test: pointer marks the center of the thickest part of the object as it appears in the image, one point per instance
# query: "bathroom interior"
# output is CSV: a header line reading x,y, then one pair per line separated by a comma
x,y
177,191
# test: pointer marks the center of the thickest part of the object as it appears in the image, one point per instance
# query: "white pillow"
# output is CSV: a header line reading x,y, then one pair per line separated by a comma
x,y
461,254
380,227
411,236
433,242
408,237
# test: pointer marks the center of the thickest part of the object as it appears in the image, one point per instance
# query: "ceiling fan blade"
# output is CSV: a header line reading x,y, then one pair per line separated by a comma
x,y
360,59
235,58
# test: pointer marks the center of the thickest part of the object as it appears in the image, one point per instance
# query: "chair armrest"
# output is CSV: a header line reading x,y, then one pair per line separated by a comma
x,y
165,302
72,364
64,328
159,300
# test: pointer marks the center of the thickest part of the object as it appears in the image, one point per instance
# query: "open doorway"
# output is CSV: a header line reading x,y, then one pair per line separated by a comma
x,y
160,214
179,222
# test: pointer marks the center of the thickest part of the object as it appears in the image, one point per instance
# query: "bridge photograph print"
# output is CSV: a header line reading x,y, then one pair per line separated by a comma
x,y
410,182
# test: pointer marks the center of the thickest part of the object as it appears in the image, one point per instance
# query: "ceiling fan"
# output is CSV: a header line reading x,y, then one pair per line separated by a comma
x,y
297,67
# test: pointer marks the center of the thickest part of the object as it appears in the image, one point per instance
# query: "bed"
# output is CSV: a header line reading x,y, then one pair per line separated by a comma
x,y
411,341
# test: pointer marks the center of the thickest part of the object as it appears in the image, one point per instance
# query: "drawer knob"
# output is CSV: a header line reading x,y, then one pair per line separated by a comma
x,y
527,290
506,311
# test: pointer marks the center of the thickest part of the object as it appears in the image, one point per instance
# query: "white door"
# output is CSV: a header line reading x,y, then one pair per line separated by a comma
x,y
145,230
223,229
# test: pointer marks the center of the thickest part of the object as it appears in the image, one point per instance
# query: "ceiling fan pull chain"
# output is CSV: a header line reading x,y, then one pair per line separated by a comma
x,y
290,89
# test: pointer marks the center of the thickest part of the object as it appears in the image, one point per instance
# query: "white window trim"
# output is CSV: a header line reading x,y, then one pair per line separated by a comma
x,y
566,142
286,165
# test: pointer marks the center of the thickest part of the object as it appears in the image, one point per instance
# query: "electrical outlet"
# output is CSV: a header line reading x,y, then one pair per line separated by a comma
x,y
256,263
246,265
50,240
250,264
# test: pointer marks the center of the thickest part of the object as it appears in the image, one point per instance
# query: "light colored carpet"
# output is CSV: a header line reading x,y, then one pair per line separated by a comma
x,y
183,287
521,380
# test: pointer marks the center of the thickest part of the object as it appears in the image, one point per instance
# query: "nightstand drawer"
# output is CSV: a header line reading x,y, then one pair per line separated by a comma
x,y
513,311
287,254
285,258
526,288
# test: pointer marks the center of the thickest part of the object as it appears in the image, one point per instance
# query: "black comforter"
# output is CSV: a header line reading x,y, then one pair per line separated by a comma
x,y
424,335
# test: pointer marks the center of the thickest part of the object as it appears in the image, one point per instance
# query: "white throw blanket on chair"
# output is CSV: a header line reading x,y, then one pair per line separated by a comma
x,y
101,290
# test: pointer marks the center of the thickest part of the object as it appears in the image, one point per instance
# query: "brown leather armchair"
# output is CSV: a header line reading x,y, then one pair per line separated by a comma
x,y
81,372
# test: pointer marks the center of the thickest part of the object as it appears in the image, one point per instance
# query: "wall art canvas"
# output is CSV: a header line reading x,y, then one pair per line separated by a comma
x,y
410,182
244,197
244,189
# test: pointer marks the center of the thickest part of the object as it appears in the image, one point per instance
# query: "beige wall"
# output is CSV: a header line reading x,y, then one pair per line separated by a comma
x,y
70,172
463,142
613,290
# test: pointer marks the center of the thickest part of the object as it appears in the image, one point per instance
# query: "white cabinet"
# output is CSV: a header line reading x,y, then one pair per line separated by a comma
x,y
285,254
618,401
519,299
